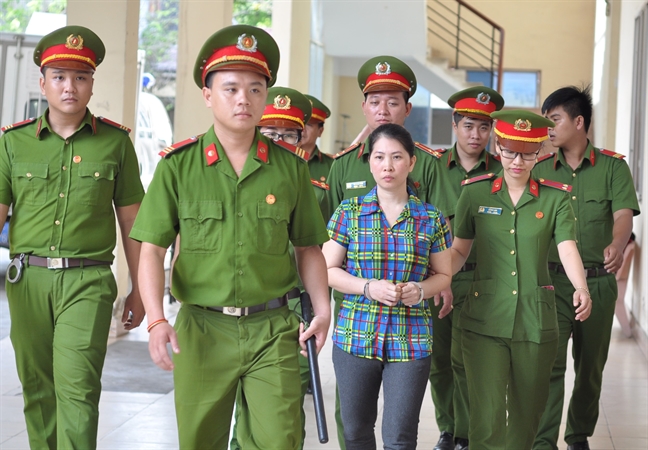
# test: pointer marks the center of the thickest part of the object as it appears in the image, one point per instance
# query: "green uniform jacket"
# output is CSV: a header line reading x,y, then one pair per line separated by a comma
x,y
601,185
319,165
234,231
446,182
350,176
63,190
511,295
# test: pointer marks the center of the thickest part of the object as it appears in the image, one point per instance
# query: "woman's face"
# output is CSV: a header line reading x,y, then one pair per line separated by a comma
x,y
516,165
390,164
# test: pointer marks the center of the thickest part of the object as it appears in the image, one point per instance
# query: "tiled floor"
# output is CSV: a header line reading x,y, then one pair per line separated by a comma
x,y
133,421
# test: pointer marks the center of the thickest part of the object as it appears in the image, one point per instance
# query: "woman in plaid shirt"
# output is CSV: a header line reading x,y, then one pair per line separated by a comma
x,y
387,254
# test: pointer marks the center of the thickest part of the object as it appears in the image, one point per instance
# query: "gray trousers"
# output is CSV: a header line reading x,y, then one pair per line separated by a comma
x,y
359,381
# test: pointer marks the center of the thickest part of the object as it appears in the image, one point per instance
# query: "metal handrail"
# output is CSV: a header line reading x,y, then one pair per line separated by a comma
x,y
466,43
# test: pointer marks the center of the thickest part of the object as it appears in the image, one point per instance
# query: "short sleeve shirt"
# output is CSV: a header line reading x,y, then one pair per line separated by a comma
x,y
234,230
319,165
399,253
601,185
63,190
511,295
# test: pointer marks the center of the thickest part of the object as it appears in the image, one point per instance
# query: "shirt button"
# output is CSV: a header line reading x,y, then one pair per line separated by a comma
x,y
512,213
96,174
67,141
199,217
64,167
512,252
52,248
29,175
476,294
240,214
575,219
240,272
240,243
239,301
514,292
573,197
57,222
513,273
574,175
61,195
512,231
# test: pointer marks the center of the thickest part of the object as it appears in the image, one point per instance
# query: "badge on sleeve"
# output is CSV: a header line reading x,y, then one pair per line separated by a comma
x,y
489,210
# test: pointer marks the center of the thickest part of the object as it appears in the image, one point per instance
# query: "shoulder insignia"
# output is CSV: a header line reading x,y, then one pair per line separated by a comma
x,y
486,176
555,185
545,157
436,153
612,154
298,151
348,149
18,124
319,184
114,124
171,149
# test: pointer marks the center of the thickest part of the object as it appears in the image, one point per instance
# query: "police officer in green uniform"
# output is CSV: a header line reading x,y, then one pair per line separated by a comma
x,y
468,158
237,199
387,84
604,201
63,173
510,331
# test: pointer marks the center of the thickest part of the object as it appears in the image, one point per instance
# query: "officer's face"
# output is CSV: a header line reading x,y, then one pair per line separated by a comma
x,y
472,135
288,135
237,100
68,91
516,165
566,128
390,164
384,107
310,134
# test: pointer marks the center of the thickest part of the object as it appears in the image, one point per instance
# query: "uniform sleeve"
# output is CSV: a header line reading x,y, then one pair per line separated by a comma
x,y
337,226
463,220
306,227
128,188
6,196
623,190
336,192
157,219
442,239
565,229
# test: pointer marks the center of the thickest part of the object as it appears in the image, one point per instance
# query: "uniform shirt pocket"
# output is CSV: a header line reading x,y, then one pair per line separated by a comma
x,y
546,308
481,302
201,226
272,227
30,183
96,183
597,206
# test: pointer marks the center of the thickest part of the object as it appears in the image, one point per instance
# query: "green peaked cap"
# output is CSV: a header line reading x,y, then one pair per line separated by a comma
x,y
320,110
71,47
477,101
386,73
286,107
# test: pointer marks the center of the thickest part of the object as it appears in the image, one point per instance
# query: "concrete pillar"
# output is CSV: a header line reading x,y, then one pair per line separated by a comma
x,y
291,28
191,115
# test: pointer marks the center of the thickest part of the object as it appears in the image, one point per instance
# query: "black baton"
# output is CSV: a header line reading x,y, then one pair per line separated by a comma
x,y
316,384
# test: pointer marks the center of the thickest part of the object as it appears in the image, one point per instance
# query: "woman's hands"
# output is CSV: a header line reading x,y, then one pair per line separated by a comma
x,y
390,294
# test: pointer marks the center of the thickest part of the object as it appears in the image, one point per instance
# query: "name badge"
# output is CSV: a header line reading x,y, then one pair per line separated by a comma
x,y
489,210
356,185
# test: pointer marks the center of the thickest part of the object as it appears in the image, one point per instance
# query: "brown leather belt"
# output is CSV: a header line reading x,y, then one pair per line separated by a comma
x,y
63,263
467,267
589,273
246,311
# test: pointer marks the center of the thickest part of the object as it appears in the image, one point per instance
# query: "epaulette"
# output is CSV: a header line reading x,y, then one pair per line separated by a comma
x,y
298,151
114,124
545,157
18,124
486,176
171,149
436,153
320,184
612,154
348,149
555,185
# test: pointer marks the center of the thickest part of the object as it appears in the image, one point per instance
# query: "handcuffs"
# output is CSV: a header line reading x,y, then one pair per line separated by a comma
x,y
18,263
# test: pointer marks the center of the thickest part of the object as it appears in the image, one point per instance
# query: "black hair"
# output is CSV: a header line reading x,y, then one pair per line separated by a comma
x,y
457,117
394,132
576,101
406,96
210,78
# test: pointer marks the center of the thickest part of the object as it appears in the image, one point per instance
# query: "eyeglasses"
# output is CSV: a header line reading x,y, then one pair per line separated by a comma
x,y
509,154
288,138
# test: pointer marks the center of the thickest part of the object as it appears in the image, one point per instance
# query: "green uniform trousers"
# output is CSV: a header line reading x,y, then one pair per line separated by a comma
x,y
460,285
591,341
59,330
508,383
217,353
441,380
304,374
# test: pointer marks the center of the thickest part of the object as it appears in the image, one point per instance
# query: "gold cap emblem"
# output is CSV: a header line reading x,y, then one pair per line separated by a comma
x,y
282,102
74,42
522,125
383,68
247,43
483,98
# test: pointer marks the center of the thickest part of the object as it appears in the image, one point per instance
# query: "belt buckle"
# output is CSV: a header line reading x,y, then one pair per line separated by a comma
x,y
232,311
54,263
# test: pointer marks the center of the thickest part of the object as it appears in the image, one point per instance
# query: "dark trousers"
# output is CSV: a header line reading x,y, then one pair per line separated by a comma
x,y
359,381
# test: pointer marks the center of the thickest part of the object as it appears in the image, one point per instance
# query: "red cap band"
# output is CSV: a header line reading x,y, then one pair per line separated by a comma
x,y
234,55
473,106
61,52
395,81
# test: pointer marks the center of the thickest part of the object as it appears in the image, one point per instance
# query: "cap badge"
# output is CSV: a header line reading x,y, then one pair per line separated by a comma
x,y
74,42
282,102
522,125
483,98
383,68
247,43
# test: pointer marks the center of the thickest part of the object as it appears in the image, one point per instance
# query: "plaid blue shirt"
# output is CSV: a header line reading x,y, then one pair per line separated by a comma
x,y
399,253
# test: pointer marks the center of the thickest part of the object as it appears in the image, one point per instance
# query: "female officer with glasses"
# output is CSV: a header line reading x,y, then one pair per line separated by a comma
x,y
509,322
